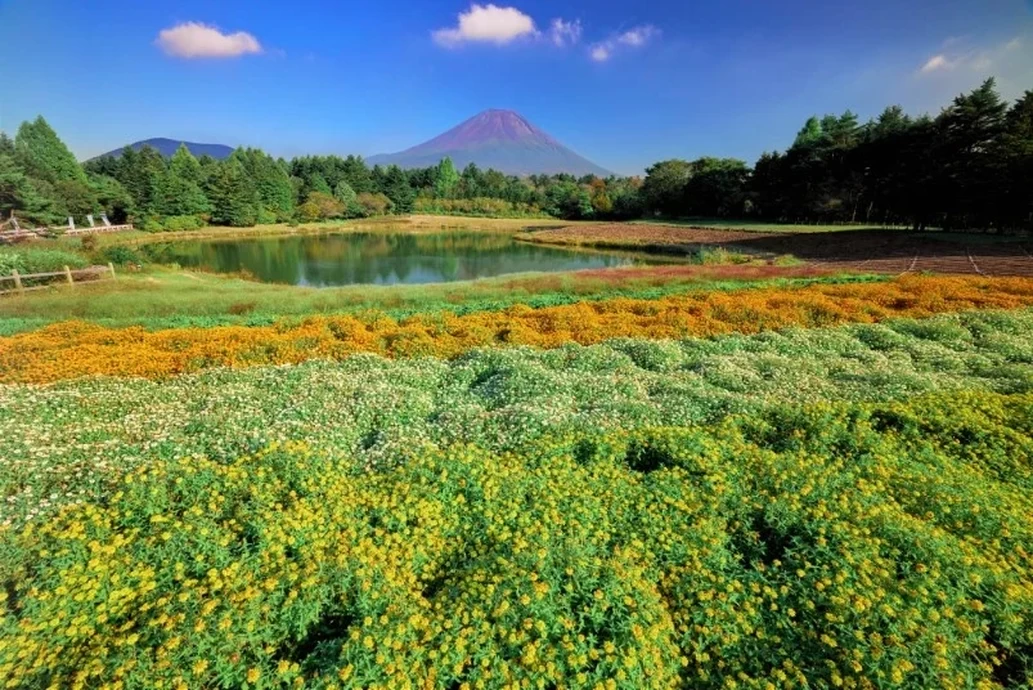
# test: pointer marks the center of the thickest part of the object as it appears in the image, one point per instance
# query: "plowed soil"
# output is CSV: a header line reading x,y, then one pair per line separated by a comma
x,y
869,251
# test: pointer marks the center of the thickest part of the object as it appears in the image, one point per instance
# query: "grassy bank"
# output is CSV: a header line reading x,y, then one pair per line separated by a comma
x,y
169,298
411,224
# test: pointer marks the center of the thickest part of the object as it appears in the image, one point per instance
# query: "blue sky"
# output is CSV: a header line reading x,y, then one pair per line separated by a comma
x,y
623,83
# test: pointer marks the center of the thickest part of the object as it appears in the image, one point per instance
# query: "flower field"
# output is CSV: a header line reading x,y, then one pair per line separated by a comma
x,y
74,349
67,440
853,545
799,486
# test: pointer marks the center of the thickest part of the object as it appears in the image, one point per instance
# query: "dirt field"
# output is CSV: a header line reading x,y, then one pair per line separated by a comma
x,y
876,251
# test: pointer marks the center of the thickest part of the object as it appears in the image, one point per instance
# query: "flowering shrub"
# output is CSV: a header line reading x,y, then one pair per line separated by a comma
x,y
72,349
67,442
852,545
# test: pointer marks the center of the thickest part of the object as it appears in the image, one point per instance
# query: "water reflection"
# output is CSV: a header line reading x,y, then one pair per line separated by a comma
x,y
381,258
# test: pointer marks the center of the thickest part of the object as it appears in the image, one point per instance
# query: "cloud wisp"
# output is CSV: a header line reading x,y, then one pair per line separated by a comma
x,y
500,26
486,24
194,40
636,37
936,63
959,56
563,33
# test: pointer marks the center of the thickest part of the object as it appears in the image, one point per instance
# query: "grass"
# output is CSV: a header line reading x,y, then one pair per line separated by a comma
x,y
168,298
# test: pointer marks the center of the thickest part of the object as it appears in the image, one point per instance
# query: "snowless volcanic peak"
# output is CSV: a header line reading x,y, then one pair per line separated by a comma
x,y
499,139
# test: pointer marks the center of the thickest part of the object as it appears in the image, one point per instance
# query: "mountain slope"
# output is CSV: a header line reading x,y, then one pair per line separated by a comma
x,y
499,139
167,147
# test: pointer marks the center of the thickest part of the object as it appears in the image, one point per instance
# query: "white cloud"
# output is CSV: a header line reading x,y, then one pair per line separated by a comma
x,y
961,63
638,36
486,24
935,63
196,40
565,33
632,38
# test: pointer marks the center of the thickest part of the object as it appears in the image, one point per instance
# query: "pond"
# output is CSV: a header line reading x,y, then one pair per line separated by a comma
x,y
384,258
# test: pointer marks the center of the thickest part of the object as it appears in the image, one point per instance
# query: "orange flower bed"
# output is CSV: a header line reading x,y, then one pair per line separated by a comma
x,y
73,349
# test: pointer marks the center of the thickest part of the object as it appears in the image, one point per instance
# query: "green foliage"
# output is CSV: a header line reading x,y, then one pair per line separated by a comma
x,y
38,260
446,178
398,190
186,222
568,200
664,187
232,194
374,204
344,193
19,193
121,255
273,184
835,544
320,206
112,198
483,206
44,156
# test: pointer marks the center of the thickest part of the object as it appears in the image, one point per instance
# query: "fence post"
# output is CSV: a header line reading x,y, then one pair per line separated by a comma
x,y
111,267
68,275
17,280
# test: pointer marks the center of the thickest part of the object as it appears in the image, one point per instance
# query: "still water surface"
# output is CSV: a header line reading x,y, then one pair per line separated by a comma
x,y
384,258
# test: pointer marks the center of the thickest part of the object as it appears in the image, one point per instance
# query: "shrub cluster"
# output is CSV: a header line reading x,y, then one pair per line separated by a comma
x,y
848,545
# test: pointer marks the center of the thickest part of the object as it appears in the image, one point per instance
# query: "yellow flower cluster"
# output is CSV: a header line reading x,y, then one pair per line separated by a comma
x,y
854,546
75,349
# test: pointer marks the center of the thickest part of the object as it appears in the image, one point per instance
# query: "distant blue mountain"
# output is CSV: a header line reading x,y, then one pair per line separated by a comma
x,y
167,147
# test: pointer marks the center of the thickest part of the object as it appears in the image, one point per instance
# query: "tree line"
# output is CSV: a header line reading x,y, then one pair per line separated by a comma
x,y
971,166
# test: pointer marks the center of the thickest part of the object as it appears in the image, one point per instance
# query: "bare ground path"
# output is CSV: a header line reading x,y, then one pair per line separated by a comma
x,y
869,251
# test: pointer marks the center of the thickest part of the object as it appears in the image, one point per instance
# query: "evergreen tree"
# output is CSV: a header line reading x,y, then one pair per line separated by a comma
x,y
273,184
18,194
348,198
232,194
185,166
446,178
43,155
143,174
357,175
180,190
399,191
112,198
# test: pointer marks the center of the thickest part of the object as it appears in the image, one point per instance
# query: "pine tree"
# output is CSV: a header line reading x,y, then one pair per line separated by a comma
x,y
399,191
22,195
446,178
143,175
112,197
185,166
43,155
233,196
273,184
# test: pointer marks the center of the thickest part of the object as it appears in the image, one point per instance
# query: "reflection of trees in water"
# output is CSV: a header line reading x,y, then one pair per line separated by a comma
x,y
384,258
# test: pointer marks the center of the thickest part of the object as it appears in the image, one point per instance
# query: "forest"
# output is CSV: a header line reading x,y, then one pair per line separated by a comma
x,y
969,167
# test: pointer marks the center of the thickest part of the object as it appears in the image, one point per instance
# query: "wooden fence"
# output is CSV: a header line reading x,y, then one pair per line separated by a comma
x,y
97,229
91,274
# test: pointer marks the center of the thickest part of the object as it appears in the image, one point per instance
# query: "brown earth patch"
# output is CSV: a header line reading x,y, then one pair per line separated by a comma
x,y
869,251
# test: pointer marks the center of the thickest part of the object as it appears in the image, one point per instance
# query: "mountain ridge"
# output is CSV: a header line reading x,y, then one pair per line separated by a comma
x,y
501,139
167,147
